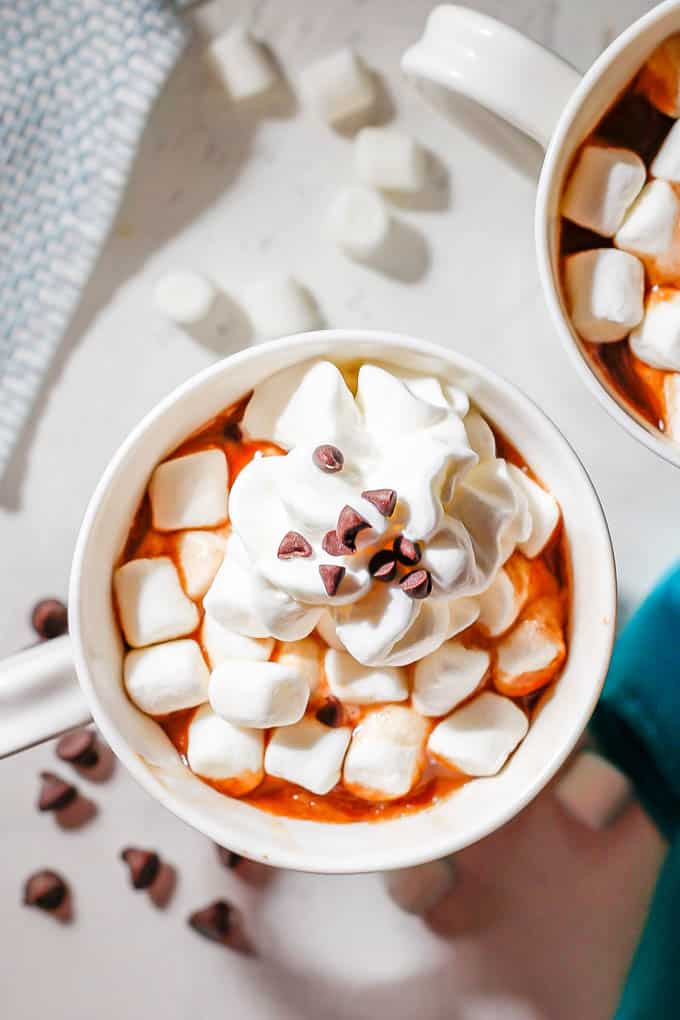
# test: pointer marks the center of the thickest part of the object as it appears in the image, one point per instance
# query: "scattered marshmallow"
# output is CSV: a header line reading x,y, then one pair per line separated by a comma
x,y
151,603
448,676
666,163
279,306
651,230
221,644
386,755
385,158
241,63
190,491
592,790
478,738
605,290
304,656
308,754
602,187
659,79
358,222
338,86
258,694
220,751
543,510
356,684
325,628
417,890
532,653
166,677
501,603
671,394
184,297
200,554
656,341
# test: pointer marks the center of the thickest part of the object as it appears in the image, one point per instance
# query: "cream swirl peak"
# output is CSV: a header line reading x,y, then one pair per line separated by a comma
x,y
390,513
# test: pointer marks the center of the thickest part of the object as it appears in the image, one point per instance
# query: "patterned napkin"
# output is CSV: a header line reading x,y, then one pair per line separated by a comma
x,y
77,80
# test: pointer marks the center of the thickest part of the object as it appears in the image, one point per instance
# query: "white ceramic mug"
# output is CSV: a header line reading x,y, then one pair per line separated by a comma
x,y
475,55
38,696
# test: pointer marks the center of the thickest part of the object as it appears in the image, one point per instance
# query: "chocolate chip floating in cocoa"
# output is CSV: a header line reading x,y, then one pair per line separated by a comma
x,y
350,523
144,866
79,747
417,584
328,458
330,713
406,551
50,618
228,858
333,546
221,922
293,544
383,566
384,500
46,890
331,577
55,793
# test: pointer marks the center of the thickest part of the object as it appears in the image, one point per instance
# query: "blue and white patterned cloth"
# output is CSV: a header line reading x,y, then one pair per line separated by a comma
x,y
77,80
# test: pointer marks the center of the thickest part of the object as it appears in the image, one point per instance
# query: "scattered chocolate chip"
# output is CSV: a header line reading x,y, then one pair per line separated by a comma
x,y
328,458
55,793
331,577
221,922
330,713
383,566
50,618
46,890
333,546
350,523
293,544
79,747
417,584
384,500
406,551
230,859
144,866
232,430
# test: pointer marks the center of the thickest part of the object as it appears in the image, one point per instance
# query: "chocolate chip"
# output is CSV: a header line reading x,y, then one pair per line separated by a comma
x,y
417,584
293,544
45,889
232,431
50,618
406,551
333,546
331,577
330,713
228,858
79,747
383,566
221,922
384,500
144,866
55,793
328,458
350,523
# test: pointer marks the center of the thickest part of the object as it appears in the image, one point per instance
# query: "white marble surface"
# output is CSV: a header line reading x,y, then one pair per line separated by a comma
x,y
240,194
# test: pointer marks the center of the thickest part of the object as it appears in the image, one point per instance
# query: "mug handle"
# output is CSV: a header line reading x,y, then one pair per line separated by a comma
x,y
39,695
487,61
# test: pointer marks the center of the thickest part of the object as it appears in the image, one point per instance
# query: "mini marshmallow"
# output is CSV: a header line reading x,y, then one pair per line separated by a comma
x,y
602,187
184,297
666,163
478,738
358,222
190,491
200,554
671,394
325,628
258,694
500,604
543,510
308,754
356,684
304,656
221,644
219,751
605,290
279,306
386,755
656,341
448,676
385,158
592,790
151,603
338,86
533,652
659,79
241,63
651,230
166,677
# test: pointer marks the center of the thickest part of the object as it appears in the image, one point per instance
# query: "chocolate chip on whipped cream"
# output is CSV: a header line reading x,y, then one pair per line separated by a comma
x,y
383,565
384,500
55,793
144,866
417,584
293,544
329,458
331,576
407,552
333,546
350,523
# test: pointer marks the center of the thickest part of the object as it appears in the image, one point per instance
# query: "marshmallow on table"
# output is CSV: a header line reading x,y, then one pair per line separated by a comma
x,y
659,79
220,644
241,63
592,790
184,297
258,694
478,738
218,750
190,491
386,755
448,676
308,754
200,554
356,684
338,86
167,677
151,603
543,510
385,158
656,341
279,306
651,230
671,395
605,289
358,222
532,653
602,187
304,656
666,163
